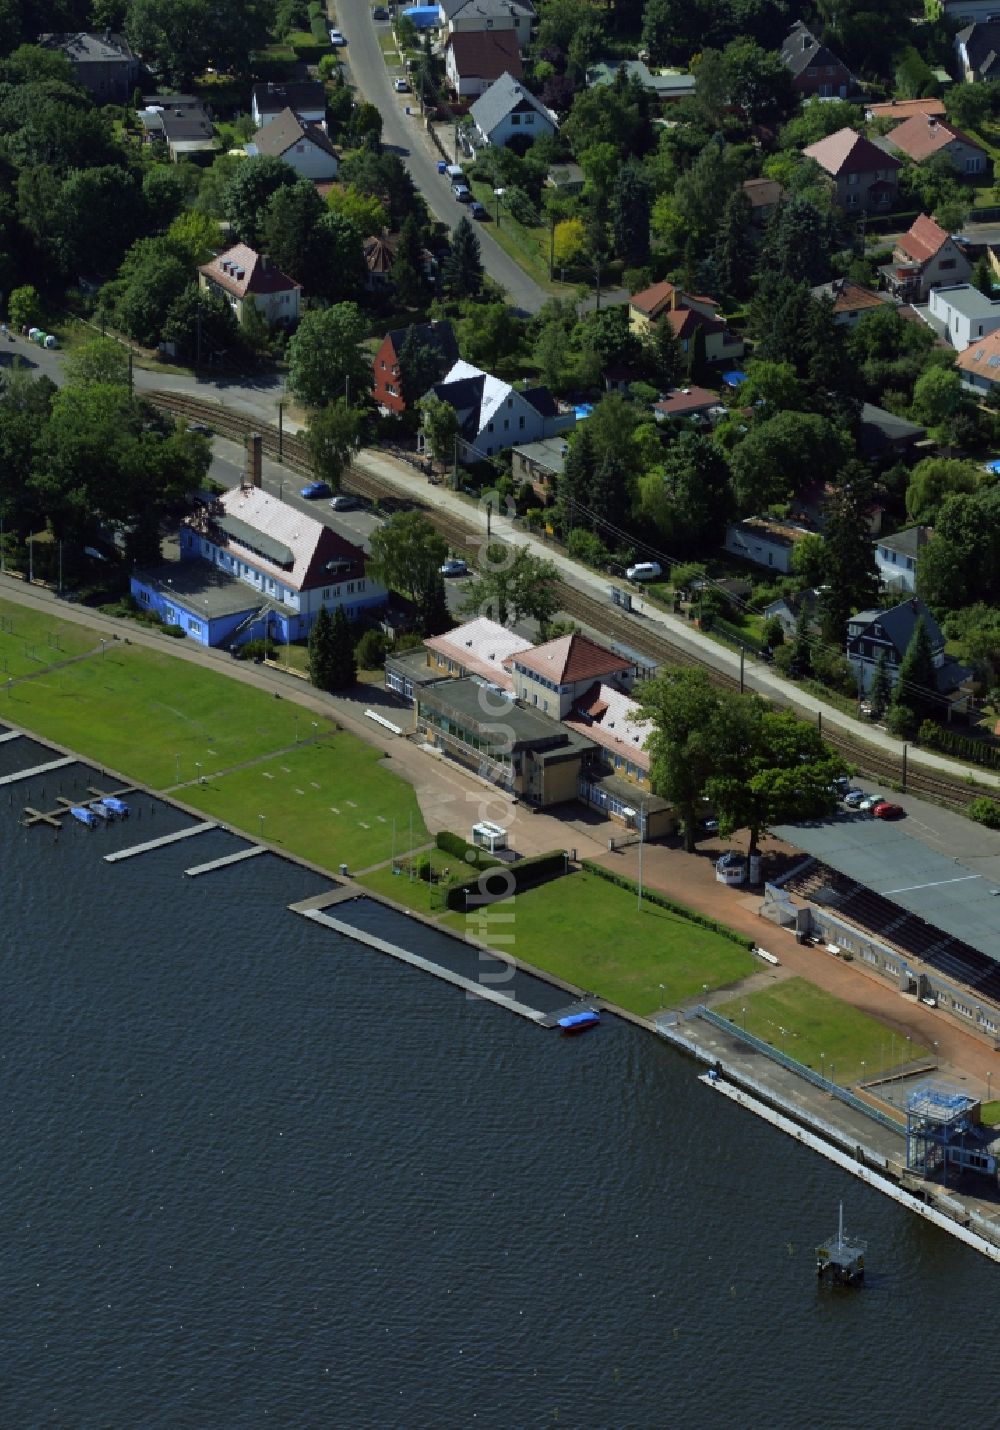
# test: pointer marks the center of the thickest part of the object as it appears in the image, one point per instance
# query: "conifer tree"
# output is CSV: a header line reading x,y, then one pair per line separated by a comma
x,y
321,652
463,268
881,691
343,667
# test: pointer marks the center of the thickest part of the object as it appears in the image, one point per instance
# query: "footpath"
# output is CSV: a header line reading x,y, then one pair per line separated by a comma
x,y
757,676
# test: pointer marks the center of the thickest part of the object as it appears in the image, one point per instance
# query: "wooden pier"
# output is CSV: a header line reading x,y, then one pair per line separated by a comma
x,y
160,843
477,990
38,770
226,860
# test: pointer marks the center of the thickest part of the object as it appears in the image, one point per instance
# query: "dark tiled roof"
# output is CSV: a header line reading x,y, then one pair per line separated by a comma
x,y
486,54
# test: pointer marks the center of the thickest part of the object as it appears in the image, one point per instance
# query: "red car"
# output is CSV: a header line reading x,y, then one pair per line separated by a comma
x,y
885,810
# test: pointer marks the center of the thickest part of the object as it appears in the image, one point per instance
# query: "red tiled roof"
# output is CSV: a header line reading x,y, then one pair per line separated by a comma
x,y
486,54
570,658
923,239
921,135
848,152
686,400
653,301
240,270
903,108
850,297
982,357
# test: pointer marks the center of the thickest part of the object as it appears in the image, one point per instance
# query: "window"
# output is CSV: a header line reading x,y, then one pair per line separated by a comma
x,y
545,706
529,119
520,423
489,426
506,423
946,263
194,628
515,119
852,180
973,165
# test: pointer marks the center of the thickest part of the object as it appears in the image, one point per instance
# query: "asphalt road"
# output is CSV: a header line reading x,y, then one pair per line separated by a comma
x,y
403,134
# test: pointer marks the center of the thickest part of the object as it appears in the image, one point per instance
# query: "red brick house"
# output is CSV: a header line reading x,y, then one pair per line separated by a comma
x,y
388,390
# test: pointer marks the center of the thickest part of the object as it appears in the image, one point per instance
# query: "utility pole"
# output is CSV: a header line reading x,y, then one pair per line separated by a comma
x,y
489,514
197,331
905,748
455,463
131,378
552,245
281,431
60,568
347,389
742,654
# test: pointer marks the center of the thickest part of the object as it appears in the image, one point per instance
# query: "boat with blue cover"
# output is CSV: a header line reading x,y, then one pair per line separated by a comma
x,y
579,1022
84,815
115,807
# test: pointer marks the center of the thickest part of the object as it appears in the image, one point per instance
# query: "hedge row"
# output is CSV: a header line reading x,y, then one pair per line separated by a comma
x,y
663,902
492,885
470,854
950,742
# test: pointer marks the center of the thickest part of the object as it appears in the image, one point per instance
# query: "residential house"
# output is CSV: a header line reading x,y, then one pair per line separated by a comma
x,y
617,781
566,178
925,257
686,313
885,434
788,610
764,542
685,403
439,336
553,676
979,365
850,300
962,12
888,631
481,647
977,47
306,97
896,557
903,108
103,64
541,464
252,567
765,195
473,59
493,416
180,121
862,175
304,147
243,276
666,85
960,314
517,16
379,254
922,136
815,69
508,111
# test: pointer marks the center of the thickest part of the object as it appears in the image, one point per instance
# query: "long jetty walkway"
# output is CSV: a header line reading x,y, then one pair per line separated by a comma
x,y
38,770
226,860
10,735
188,833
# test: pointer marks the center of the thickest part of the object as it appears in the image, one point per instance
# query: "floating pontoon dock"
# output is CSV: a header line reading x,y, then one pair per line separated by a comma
x,y
38,770
226,860
164,839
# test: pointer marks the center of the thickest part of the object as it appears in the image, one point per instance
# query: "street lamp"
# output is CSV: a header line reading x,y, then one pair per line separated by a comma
x,y
261,817
862,1070
663,989
781,1034
822,1065
744,1011
177,769
498,195
989,1087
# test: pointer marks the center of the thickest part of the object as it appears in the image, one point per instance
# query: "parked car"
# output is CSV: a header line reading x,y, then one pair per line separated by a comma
x,y
343,501
462,192
401,86
644,571
314,490
478,210
200,428
885,810
454,566
852,797
870,801
337,39
380,13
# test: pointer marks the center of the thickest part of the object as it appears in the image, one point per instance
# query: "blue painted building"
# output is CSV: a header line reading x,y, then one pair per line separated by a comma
x,y
251,567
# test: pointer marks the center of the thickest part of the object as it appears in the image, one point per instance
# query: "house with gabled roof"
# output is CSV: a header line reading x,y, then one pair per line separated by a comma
x,y
850,300
862,175
888,631
243,276
686,313
551,677
979,365
923,136
458,16
978,49
896,557
481,647
506,111
617,781
493,415
925,257
103,63
473,59
306,97
437,335
815,69
303,146
903,108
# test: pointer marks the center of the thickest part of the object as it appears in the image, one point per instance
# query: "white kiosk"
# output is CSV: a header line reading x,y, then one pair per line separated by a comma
x,y
489,836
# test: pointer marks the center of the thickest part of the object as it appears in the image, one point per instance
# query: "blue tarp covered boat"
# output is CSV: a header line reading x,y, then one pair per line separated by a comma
x,y
117,807
579,1022
85,816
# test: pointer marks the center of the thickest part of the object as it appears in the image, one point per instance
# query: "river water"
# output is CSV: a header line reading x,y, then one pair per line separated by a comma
x,y
257,1174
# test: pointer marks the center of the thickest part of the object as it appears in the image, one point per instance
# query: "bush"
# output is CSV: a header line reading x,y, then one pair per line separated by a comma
x,y
171,628
985,811
257,650
522,875
370,651
586,547
964,747
663,902
470,854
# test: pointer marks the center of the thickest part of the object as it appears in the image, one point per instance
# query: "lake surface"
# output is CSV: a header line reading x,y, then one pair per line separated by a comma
x,y
257,1174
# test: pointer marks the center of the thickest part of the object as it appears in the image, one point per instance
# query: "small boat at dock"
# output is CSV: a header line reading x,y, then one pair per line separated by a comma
x,y
579,1022
116,808
84,815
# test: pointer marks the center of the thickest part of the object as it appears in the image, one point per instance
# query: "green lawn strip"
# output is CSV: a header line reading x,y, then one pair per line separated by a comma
x,y
31,640
990,1113
416,894
527,246
332,801
815,1023
152,716
591,933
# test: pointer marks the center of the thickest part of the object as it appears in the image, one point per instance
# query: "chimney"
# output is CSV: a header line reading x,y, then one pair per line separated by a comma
x,y
254,475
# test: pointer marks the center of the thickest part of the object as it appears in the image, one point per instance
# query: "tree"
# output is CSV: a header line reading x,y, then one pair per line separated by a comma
x,y
697,481
321,249
937,396
666,357
681,705
101,361
798,242
195,235
365,211
630,208
326,358
253,183
24,307
802,662
915,697
322,655
568,242
577,479
407,264
463,268
201,325
784,454
150,279
491,333
881,690
733,256
420,366
165,189
701,192
440,424
333,436
935,478
513,585
98,213
406,554
962,563
850,569
982,275
809,560
343,667
436,616
970,105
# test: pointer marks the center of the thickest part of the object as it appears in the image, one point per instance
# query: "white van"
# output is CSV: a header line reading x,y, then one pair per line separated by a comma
x,y
645,571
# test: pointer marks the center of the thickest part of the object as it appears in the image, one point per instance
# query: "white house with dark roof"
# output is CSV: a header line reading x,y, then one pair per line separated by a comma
x,y
493,415
304,147
888,631
252,566
507,110
463,16
242,276
896,557
306,97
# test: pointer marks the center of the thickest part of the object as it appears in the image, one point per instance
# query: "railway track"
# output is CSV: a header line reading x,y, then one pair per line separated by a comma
x,y
466,539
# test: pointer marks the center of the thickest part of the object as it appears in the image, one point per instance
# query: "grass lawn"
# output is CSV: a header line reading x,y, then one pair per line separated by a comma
x,y
853,1045
416,894
990,1113
30,640
529,247
332,801
590,932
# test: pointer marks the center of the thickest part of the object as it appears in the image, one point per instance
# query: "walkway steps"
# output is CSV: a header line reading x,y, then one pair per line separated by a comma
x,y
165,839
10,735
38,770
490,995
226,860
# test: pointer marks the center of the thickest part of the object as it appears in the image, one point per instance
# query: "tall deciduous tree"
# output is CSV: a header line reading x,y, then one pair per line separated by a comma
x,y
333,437
682,705
440,424
326,358
249,191
514,585
406,554
851,572
700,490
